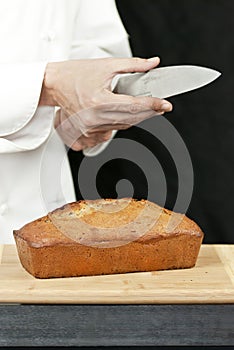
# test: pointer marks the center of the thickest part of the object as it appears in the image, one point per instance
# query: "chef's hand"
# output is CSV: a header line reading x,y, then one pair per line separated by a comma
x,y
73,137
82,88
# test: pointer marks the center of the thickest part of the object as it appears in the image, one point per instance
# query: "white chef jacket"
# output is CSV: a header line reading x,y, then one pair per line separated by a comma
x,y
34,171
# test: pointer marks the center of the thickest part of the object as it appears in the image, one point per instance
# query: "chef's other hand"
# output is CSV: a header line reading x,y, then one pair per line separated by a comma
x,y
82,88
73,136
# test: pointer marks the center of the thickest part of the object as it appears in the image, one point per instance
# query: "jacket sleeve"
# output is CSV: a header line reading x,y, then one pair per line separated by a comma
x,y
98,33
23,125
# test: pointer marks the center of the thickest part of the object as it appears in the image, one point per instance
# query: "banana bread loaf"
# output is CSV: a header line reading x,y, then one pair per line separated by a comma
x,y
107,237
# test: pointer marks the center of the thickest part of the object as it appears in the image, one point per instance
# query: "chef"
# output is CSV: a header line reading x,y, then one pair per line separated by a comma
x,y
55,55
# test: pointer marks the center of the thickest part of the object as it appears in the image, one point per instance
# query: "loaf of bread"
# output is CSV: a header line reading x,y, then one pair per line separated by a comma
x,y
107,237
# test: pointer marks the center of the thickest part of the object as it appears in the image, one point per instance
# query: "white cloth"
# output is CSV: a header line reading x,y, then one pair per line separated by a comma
x,y
34,172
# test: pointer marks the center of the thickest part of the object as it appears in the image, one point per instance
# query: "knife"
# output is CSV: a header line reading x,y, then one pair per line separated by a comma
x,y
166,81
161,82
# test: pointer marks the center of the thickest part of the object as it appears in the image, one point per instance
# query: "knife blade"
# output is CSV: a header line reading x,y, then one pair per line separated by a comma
x,y
165,82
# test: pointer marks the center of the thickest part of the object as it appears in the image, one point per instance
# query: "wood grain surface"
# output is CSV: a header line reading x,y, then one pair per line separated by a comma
x,y
210,282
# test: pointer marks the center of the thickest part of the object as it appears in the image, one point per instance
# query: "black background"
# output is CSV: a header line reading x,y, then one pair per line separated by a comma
x,y
186,32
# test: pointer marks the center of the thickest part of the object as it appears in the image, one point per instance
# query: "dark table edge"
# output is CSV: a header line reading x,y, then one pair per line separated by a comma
x,y
69,325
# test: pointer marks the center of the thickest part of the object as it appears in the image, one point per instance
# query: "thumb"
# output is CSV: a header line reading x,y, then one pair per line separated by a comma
x,y
57,120
134,64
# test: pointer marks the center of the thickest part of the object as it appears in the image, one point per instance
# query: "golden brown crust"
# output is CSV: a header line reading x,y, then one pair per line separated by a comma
x,y
120,236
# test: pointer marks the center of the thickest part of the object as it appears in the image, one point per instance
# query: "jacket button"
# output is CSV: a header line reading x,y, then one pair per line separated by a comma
x,y
3,208
49,36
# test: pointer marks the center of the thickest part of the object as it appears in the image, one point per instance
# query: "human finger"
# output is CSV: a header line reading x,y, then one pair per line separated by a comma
x,y
134,64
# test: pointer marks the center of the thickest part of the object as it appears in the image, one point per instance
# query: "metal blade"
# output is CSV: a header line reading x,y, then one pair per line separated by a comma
x,y
166,81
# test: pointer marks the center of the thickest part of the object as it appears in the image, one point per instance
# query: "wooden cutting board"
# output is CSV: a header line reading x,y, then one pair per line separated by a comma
x,y
211,281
